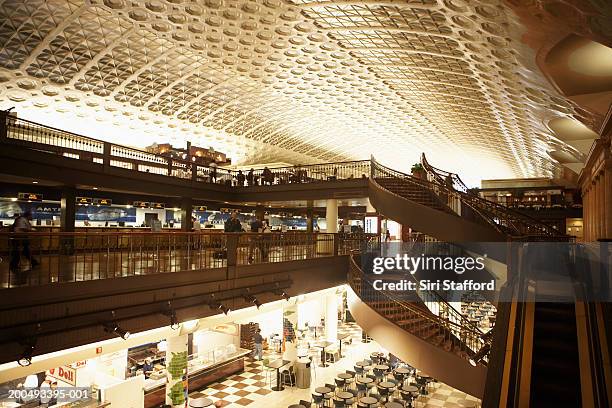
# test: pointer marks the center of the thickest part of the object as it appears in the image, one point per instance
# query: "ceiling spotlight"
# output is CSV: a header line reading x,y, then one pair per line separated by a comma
x,y
253,300
28,351
476,358
113,327
224,309
285,296
171,313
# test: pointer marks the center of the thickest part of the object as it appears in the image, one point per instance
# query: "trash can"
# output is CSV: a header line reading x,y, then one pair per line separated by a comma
x,y
302,373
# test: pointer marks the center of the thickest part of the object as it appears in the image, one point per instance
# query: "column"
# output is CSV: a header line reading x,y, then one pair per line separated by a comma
x,y
608,202
331,215
369,207
331,317
290,322
176,365
309,220
186,209
67,209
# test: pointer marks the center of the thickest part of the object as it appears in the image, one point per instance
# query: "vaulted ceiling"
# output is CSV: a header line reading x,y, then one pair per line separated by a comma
x,y
292,80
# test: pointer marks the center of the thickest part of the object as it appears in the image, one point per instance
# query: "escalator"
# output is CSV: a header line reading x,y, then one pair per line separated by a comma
x,y
555,369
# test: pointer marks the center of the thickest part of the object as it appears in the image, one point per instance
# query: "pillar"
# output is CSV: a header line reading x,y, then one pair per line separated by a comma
x,y
176,365
290,322
369,207
608,202
331,215
331,317
309,220
186,209
67,209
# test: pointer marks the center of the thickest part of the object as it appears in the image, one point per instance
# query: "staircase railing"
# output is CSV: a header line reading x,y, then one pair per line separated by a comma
x,y
505,220
440,176
457,337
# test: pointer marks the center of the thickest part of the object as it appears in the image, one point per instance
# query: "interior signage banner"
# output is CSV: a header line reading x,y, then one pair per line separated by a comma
x,y
30,196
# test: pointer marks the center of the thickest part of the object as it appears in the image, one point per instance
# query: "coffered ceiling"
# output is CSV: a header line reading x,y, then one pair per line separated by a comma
x,y
290,80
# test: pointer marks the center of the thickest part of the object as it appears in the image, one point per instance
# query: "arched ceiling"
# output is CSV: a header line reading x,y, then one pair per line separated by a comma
x,y
289,80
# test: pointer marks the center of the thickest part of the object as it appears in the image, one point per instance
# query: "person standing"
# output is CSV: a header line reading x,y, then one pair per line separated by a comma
x,y
240,178
197,227
21,226
250,178
256,227
233,223
258,342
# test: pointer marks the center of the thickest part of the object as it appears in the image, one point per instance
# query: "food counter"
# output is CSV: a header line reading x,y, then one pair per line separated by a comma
x,y
201,371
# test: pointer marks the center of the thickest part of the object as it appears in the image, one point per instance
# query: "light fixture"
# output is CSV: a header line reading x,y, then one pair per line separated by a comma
x,y
252,299
171,313
216,305
189,325
224,309
95,188
476,358
13,198
28,351
113,327
35,182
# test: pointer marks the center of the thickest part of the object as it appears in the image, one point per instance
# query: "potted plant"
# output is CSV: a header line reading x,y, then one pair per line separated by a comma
x,y
418,171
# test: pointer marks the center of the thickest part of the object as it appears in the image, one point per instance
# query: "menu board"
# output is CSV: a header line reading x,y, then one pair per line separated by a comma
x,y
158,206
30,196
84,200
103,201
141,204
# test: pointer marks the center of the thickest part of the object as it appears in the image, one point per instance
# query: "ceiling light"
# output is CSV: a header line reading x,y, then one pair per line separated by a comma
x,y
224,309
113,327
35,182
26,357
95,188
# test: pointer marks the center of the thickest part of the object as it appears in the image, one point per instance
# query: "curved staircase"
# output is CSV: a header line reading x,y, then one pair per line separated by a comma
x,y
438,346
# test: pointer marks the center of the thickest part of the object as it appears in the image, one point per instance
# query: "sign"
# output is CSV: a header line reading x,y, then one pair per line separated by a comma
x,y
158,206
30,196
78,364
64,374
103,201
141,204
84,200
200,208
224,210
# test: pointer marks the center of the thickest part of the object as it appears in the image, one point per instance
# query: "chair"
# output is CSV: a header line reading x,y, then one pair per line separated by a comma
x,y
339,403
359,370
407,397
305,403
288,375
340,383
267,371
384,393
318,400
362,389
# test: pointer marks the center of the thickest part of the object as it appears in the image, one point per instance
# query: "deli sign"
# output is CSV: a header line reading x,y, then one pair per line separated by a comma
x,y
64,374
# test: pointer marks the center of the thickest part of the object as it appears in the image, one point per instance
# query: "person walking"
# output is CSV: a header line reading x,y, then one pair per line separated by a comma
x,y
258,341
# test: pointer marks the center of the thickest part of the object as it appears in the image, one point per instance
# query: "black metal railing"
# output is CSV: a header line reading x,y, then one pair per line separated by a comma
x,y
454,336
40,258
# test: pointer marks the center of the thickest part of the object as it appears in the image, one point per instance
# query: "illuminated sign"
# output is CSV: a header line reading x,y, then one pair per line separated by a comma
x,y
30,196
224,210
158,206
103,201
141,204
200,208
84,200
64,374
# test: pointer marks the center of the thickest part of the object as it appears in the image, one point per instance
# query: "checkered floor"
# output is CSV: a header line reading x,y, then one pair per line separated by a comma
x,y
254,383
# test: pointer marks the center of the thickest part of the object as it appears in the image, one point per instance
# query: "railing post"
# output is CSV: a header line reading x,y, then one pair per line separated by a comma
x,y
169,162
3,125
336,238
232,249
106,155
194,172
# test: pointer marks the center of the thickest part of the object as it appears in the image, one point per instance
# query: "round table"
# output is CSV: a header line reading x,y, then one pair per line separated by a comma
x,y
368,401
323,390
393,405
467,403
345,376
386,384
365,380
381,367
296,406
402,370
410,388
344,395
200,402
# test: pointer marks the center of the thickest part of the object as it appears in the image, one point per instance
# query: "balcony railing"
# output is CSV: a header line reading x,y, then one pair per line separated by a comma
x,y
39,258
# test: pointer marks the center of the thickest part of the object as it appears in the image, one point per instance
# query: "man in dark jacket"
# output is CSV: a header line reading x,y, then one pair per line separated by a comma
x,y
233,223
